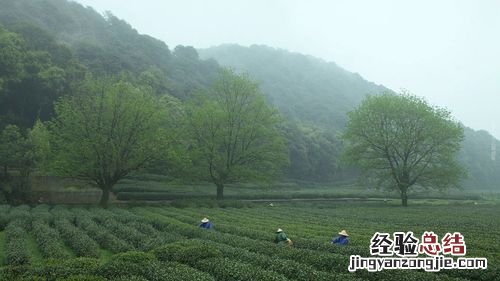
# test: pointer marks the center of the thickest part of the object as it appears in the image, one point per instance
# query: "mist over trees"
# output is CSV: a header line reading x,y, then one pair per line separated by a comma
x,y
316,96
106,131
236,135
50,48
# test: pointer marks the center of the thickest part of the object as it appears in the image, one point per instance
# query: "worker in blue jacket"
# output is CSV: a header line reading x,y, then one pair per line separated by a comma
x,y
206,224
342,239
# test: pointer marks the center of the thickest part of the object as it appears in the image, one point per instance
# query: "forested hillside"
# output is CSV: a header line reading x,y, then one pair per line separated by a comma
x,y
316,95
108,45
47,46
306,89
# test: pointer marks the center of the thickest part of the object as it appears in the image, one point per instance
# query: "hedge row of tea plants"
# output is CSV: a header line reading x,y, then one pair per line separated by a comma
x,y
76,239
320,260
48,241
227,269
129,266
172,247
191,250
16,241
320,257
100,234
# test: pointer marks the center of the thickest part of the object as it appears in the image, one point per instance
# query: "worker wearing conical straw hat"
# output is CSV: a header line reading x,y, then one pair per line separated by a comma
x,y
342,239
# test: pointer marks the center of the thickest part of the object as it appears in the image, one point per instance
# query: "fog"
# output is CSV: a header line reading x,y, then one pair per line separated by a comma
x,y
447,51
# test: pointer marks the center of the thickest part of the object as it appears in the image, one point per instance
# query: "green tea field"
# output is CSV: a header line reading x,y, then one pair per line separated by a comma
x,y
164,243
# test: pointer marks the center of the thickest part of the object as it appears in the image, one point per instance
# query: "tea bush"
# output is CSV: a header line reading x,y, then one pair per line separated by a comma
x,y
81,243
101,235
16,251
48,240
186,253
225,269
56,269
240,247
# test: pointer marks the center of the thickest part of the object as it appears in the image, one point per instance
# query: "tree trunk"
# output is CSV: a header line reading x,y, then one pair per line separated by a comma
x,y
220,191
104,197
404,196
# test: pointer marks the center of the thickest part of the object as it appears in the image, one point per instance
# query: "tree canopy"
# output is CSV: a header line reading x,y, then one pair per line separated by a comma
x,y
235,134
400,141
107,130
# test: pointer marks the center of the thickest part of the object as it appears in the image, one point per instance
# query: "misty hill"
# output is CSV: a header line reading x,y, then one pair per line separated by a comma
x,y
60,40
108,45
305,88
319,93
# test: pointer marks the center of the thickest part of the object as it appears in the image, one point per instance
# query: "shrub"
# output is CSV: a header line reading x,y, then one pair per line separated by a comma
x,y
129,234
21,215
16,251
290,269
225,269
14,272
185,253
80,242
177,271
129,278
128,264
41,212
54,269
48,240
83,278
101,235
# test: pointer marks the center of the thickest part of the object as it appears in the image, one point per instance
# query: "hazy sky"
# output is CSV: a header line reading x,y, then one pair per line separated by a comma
x,y
447,51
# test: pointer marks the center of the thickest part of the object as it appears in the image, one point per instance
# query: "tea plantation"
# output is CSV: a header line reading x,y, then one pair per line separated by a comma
x,y
164,243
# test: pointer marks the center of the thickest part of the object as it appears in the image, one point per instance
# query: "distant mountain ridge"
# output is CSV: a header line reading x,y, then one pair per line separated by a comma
x,y
313,94
318,93
303,87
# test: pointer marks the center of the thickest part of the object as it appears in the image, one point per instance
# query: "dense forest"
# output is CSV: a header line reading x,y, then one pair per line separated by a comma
x,y
316,95
49,47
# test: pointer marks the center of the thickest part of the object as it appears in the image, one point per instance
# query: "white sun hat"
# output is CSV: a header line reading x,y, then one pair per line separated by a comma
x,y
343,232
279,230
204,220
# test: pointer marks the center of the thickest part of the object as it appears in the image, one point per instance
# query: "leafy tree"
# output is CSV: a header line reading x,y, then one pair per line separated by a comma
x,y
11,57
401,141
34,72
106,131
40,139
17,158
236,135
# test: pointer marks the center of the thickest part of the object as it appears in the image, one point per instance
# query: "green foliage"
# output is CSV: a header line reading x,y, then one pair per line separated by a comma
x,y
177,271
304,88
127,233
476,156
226,269
313,94
235,133
107,131
81,243
86,278
132,264
48,47
35,72
48,240
12,52
16,244
17,153
40,138
241,247
100,234
56,269
400,141
188,254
